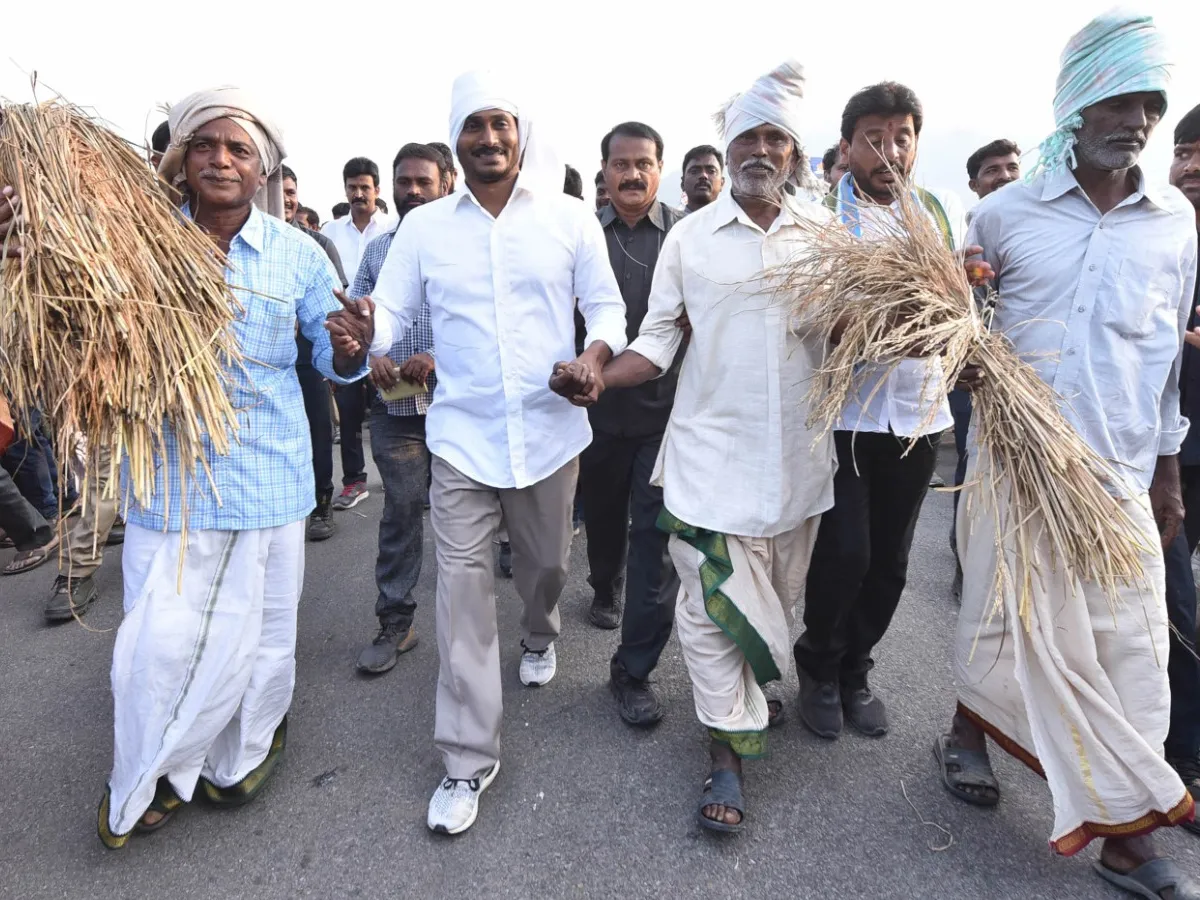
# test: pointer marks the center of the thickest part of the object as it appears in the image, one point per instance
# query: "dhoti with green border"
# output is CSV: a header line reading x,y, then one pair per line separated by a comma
x,y
733,617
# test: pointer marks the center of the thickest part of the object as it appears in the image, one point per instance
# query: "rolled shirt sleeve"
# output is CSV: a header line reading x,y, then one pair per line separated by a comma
x,y
1173,427
659,338
399,291
596,288
317,302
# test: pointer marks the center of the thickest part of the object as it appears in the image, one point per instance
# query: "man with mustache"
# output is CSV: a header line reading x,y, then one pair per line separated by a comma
x,y
398,426
886,443
351,234
744,480
1183,740
703,176
625,547
501,265
1096,270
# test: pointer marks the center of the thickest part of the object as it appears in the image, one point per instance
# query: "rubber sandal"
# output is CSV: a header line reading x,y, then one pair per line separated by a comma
x,y
723,788
166,802
1151,878
107,838
249,787
974,770
30,559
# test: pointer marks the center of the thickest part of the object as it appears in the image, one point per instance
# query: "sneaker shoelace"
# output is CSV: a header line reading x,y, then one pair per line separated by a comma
x,y
386,634
528,652
449,784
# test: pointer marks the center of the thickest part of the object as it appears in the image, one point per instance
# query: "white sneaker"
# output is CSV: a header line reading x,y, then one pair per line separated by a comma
x,y
537,668
455,804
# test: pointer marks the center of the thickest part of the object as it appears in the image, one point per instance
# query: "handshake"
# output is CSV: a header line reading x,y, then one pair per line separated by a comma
x,y
579,381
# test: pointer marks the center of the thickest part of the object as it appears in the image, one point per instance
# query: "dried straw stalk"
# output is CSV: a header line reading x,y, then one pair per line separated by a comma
x,y
115,320
902,293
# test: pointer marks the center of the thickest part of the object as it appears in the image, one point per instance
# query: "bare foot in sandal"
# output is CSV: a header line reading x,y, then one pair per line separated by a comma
x,y
723,757
966,768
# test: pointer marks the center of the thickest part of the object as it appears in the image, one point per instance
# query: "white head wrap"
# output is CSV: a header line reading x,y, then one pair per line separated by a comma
x,y
197,110
483,89
1118,52
774,99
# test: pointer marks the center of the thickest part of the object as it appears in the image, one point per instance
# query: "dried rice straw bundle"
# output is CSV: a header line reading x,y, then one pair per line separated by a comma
x,y
901,293
115,320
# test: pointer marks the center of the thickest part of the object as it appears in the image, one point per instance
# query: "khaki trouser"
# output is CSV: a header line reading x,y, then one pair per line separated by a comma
x,y
465,515
88,533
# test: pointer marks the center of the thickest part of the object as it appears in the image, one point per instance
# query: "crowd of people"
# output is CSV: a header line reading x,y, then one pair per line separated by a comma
x,y
527,363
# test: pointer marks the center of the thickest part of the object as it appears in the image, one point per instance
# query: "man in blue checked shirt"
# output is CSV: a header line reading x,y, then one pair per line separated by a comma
x,y
398,426
204,662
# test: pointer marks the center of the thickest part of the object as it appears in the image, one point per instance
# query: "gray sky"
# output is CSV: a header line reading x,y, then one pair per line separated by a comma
x,y
349,80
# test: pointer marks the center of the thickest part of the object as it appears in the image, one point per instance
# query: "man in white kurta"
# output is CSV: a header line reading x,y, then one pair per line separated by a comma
x,y
744,480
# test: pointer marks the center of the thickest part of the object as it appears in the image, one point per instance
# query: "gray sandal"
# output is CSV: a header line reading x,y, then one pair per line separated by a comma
x,y
1151,878
972,768
723,788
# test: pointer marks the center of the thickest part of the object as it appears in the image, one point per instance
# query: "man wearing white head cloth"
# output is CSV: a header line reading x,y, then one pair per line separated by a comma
x,y
204,661
1096,269
501,265
744,480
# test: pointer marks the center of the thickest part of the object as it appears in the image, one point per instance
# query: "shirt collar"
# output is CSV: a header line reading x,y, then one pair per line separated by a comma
x,y
608,215
1063,181
252,232
729,210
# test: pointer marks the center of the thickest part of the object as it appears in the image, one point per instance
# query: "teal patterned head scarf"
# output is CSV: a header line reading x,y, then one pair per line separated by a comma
x,y
1118,52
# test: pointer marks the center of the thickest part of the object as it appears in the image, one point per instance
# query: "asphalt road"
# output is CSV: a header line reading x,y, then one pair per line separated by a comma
x,y
583,807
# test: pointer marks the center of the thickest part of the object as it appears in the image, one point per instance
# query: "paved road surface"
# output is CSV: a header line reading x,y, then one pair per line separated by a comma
x,y
583,807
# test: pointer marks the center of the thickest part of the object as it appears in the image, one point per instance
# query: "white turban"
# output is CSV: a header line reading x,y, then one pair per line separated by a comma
x,y
774,99
197,110
482,89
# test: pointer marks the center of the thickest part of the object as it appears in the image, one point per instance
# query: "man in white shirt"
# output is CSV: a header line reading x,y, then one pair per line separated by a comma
x,y
1096,271
500,264
886,443
744,481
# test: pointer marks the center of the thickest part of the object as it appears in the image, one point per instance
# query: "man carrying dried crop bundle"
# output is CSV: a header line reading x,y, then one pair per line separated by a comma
x,y
886,442
738,422
1096,272
204,661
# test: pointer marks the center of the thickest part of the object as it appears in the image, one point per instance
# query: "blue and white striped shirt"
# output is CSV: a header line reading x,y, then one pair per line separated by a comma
x,y
279,275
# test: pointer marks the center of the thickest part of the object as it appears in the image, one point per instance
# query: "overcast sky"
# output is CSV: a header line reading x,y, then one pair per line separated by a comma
x,y
363,78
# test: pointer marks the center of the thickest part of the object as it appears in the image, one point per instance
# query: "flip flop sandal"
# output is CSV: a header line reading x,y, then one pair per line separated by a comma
x,y
1151,878
107,837
249,787
166,802
30,559
973,770
723,788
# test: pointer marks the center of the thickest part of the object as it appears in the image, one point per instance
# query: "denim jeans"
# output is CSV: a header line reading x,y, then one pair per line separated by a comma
x,y
398,448
31,462
24,524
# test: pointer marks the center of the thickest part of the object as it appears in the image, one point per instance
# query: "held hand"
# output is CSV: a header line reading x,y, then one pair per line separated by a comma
x,y
383,373
343,336
357,318
979,271
1166,501
10,211
684,324
417,368
577,381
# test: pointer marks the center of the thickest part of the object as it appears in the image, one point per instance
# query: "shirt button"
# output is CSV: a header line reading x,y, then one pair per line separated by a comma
x,y
1071,352
1082,308
1092,267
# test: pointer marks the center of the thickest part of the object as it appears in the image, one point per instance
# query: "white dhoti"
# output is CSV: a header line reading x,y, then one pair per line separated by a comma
x,y
1081,695
733,617
201,678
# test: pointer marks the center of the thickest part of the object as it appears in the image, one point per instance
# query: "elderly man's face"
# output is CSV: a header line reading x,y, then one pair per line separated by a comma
x,y
1115,131
222,166
761,161
1185,171
489,147
291,203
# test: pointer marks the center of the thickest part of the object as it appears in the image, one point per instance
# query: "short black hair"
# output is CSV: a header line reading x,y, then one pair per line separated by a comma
x,y
633,130
703,150
288,173
998,147
381,204
446,154
161,138
360,165
341,209
600,178
573,182
1188,129
829,160
311,214
427,152
888,98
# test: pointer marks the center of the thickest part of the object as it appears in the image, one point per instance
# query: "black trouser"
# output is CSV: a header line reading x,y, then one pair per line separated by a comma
x,y
615,472
960,408
860,561
25,525
353,401
320,424
1183,669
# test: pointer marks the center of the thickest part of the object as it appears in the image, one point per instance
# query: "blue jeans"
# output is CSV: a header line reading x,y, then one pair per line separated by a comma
x,y
398,448
30,460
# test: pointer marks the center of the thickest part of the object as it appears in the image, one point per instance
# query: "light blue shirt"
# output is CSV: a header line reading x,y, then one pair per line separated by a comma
x,y
279,275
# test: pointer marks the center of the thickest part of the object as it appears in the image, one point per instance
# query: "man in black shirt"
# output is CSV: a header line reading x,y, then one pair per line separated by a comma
x,y
627,428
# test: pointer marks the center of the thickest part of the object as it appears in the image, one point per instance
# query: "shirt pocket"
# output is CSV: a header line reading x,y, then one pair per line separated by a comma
x,y
1142,301
266,330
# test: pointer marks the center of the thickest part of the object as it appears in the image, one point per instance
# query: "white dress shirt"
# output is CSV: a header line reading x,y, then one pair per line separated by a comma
x,y
501,293
916,386
351,242
1098,305
737,456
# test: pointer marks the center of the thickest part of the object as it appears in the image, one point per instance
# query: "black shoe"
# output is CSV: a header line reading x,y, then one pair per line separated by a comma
x,y
381,654
1189,772
605,613
321,526
820,706
956,585
636,701
864,711
70,598
504,560
116,534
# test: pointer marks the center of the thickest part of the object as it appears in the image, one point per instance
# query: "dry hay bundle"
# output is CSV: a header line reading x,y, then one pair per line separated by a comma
x,y
901,293
115,320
